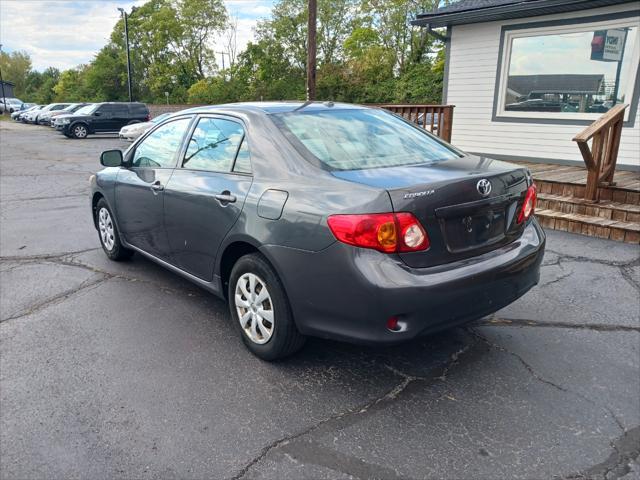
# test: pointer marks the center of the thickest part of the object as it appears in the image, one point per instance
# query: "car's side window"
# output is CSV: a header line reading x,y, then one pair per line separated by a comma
x,y
243,160
120,111
159,149
213,145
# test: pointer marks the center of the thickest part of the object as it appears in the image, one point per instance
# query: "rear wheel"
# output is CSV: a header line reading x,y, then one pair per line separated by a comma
x,y
260,309
79,130
108,232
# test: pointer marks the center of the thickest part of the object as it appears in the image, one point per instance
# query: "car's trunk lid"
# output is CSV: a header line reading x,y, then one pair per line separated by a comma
x,y
451,201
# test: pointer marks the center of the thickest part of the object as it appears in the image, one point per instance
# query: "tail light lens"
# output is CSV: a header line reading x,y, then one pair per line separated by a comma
x,y
529,205
385,232
148,117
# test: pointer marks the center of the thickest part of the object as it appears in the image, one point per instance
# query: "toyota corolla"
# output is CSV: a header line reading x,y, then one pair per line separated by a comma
x,y
319,219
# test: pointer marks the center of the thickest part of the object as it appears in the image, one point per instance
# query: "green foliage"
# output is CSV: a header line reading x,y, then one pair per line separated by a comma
x,y
15,67
367,52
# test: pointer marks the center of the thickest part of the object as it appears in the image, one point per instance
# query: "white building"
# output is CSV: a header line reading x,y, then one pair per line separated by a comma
x,y
525,76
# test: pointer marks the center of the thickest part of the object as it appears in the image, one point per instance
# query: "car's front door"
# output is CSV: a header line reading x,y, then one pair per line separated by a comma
x,y
100,118
206,193
139,191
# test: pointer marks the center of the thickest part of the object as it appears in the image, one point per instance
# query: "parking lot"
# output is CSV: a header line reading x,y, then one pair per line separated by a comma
x,y
124,370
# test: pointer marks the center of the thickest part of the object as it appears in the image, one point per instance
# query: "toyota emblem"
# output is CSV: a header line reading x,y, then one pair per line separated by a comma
x,y
484,187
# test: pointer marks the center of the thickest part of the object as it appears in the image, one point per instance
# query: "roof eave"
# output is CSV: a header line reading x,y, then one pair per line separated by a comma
x,y
513,10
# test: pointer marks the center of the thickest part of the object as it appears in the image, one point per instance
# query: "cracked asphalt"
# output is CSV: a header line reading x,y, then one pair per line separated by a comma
x,y
125,370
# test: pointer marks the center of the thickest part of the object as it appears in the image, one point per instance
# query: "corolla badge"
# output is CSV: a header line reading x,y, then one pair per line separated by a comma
x,y
424,193
484,187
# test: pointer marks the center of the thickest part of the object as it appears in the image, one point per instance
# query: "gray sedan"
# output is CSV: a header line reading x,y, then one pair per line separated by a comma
x,y
322,219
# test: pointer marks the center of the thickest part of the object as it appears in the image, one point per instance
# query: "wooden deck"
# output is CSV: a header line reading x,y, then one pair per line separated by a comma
x,y
562,206
624,180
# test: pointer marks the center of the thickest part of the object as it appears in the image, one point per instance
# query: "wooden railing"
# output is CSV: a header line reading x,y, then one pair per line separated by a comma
x,y
438,119
601,158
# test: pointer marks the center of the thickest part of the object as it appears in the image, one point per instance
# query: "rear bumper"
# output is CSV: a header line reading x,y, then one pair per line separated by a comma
x,y
348,293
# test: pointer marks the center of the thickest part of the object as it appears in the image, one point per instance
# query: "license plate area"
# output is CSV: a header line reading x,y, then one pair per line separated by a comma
x,y
475,230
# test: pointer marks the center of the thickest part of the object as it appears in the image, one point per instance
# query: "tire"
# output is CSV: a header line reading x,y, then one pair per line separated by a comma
x,y
108,233
79,130
283,338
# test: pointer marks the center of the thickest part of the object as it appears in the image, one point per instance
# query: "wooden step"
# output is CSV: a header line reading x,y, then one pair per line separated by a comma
x,y
621,212
607,194
594,226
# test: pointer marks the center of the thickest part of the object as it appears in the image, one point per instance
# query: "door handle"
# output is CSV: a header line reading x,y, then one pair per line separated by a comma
x,y
157,186
225,197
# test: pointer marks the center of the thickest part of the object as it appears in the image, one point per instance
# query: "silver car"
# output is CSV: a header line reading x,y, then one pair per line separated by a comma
x,y
133,131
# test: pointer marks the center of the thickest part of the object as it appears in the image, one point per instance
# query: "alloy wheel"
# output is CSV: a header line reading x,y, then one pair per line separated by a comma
x,y
80,131
105,224
255,308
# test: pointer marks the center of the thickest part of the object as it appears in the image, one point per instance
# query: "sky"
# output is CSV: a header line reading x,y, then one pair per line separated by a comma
x,y
67,33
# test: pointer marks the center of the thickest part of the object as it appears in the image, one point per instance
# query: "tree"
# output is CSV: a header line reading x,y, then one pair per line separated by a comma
x,y
71,86
170,44
16,67
41,85
367,52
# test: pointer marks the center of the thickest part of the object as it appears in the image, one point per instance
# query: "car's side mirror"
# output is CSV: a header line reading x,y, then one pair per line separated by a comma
x,y
111,158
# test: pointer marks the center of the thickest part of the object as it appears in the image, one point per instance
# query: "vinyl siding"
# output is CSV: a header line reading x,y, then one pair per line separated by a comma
x,y
471,84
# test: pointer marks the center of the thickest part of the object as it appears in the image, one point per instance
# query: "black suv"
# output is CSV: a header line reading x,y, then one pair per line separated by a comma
x,y
108,117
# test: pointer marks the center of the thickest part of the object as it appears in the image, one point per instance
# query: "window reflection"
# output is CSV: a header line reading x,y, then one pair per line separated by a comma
x,y
579,72
213,145
158,150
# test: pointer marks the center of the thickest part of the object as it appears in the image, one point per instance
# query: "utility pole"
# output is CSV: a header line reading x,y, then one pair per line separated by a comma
x,y
222,54
126,35
4,99
311,51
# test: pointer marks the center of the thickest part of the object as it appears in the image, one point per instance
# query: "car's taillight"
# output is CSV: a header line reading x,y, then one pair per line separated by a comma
x,y
148,119
385,232
529,205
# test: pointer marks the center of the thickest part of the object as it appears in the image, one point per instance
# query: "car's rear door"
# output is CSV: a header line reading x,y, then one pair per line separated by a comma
x,y
120,117
139,191
206,192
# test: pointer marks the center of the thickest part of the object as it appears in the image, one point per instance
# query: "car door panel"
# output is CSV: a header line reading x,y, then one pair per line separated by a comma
x,y
196,221
142,226
140,187
121,118
204,197
101,119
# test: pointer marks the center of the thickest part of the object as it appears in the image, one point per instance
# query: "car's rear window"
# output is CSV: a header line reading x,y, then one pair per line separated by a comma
x,y
354,139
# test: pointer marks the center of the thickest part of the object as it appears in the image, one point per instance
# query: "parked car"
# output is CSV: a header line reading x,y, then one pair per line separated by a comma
x,y
329,220
46,118
10,105
421,120
26,107
58,122
34,116
131,132
534,105
107,117
24,113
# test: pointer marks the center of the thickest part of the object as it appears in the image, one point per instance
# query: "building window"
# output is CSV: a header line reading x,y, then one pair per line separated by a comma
x,y
569,72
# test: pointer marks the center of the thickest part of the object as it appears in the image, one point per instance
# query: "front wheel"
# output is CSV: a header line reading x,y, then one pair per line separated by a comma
x,y
108,231
260,309
79,131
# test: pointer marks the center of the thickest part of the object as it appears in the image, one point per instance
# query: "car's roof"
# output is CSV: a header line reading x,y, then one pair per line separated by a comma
x,y
273,107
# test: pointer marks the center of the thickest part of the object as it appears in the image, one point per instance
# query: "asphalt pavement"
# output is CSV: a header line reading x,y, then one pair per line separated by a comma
x,y
124,370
